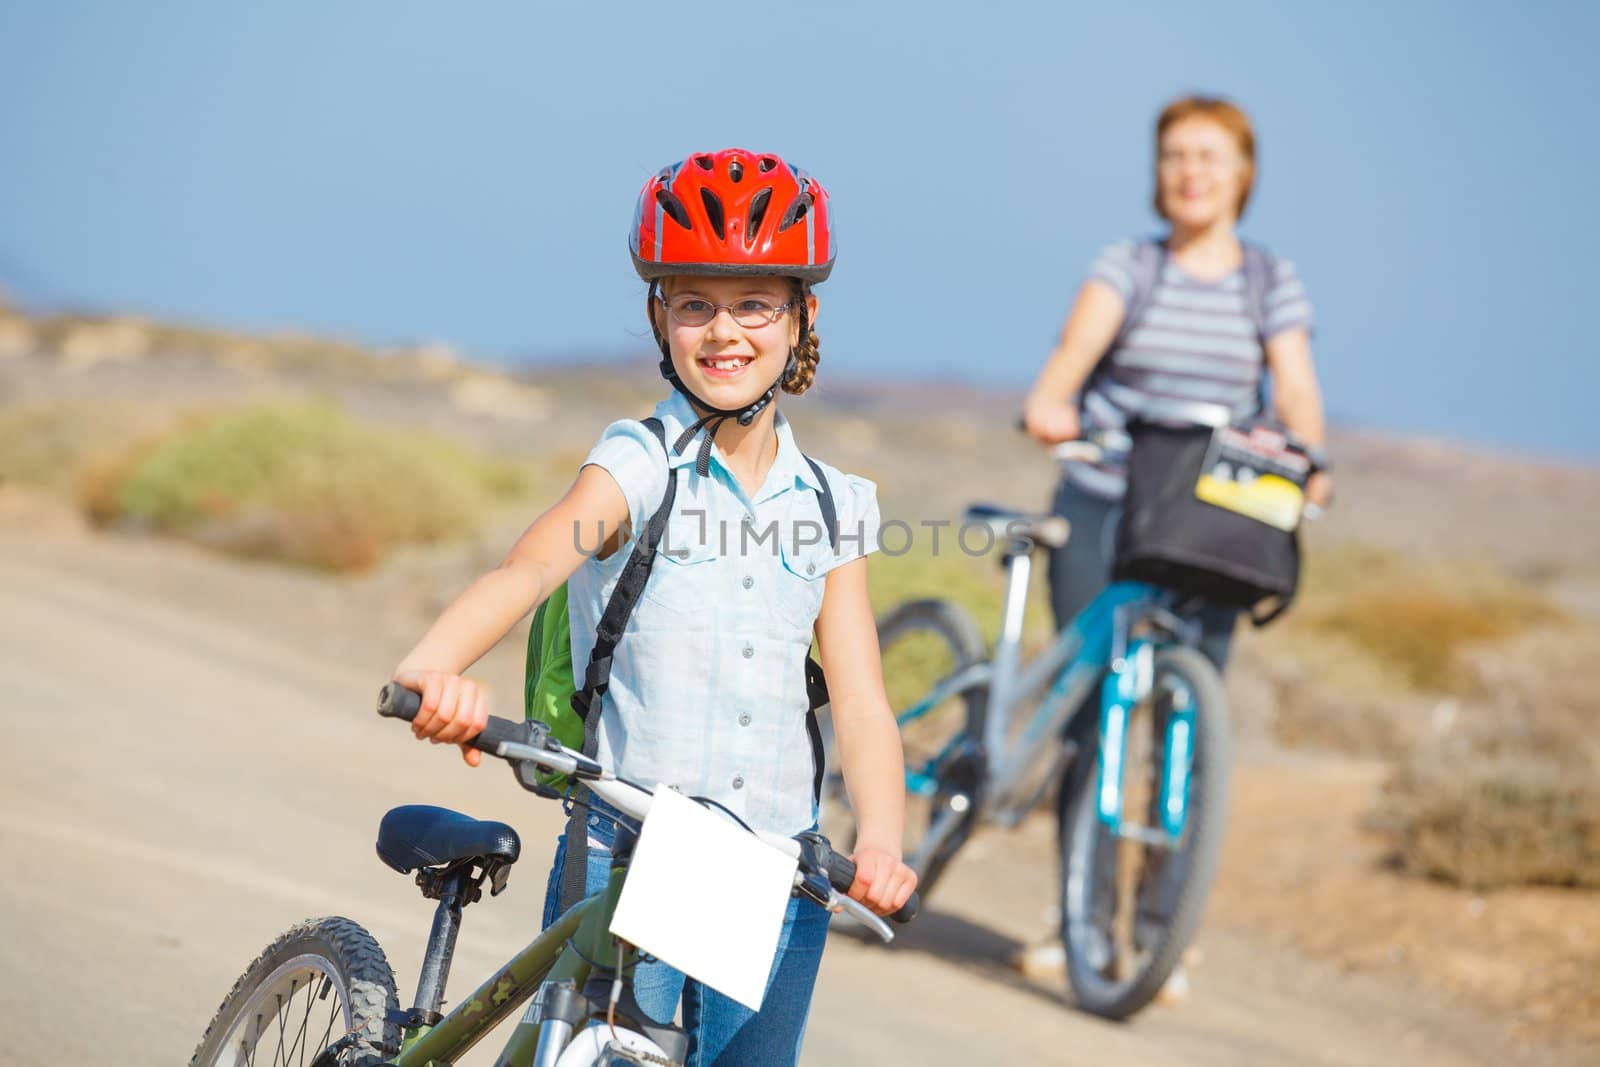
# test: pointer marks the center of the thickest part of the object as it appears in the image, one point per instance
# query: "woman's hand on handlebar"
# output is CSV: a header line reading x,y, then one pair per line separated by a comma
x,y
883,882
1051,421
1319,490
454,709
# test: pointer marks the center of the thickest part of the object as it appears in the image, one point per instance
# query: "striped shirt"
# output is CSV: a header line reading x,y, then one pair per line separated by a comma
x,y
708,689
1192,340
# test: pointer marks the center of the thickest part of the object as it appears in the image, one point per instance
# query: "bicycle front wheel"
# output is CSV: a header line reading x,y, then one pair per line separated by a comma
x,y
1132,901
322,982
923,643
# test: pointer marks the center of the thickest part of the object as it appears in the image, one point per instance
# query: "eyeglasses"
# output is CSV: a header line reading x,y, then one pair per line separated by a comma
x,y
750,313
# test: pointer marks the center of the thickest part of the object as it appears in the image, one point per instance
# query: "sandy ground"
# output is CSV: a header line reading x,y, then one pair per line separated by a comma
x,y
191,766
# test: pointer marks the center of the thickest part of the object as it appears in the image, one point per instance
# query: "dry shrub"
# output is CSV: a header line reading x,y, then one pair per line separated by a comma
x,y
1510,807
44,446
1415,621
329,540
301,484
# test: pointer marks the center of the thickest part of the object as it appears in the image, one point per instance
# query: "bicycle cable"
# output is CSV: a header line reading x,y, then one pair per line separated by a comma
x,y
731,815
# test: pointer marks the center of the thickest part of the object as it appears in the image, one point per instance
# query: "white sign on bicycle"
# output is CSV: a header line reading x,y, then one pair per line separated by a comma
x,y
705,897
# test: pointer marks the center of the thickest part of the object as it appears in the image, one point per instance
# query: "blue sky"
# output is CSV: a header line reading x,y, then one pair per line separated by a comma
x,y
409,171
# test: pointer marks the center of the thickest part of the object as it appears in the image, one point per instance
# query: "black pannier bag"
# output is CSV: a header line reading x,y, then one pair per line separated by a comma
x,y
1214,513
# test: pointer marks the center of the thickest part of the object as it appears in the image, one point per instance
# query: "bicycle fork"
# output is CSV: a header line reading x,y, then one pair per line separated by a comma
x,y
1131,681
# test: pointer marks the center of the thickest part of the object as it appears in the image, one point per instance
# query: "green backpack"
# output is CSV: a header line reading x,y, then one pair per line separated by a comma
x,y
550,687
547,685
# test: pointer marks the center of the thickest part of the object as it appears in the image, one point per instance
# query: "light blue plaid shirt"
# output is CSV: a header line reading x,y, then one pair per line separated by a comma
x,y
708,688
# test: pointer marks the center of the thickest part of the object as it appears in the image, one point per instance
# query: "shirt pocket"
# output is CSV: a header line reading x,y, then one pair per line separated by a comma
x,y
801,580
682,579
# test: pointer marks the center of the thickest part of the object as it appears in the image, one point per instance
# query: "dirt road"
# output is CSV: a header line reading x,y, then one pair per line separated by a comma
x,y
190,765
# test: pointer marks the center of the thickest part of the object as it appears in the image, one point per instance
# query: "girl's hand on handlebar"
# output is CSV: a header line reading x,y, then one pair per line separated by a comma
x,y
1051,421
883,883
454,709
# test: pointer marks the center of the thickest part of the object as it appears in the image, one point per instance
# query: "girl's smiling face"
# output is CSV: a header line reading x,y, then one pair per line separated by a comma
x,y
729,363
1200,173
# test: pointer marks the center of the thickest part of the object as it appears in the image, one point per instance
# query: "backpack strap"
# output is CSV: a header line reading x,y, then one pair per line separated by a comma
x,y
830,513
816,681
597,675
624,598
1259,269
1149,260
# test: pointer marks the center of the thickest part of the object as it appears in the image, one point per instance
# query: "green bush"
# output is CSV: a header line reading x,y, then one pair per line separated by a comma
x,y
303,484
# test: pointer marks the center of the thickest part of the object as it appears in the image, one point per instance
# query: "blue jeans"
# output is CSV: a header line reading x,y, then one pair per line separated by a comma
x,y
722,1032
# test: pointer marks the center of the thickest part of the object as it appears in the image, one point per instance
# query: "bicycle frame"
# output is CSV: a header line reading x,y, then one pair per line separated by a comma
x,y
560,952
1017,772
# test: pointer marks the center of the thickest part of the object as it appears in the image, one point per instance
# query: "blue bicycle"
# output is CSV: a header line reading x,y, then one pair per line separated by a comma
x,y
1142,771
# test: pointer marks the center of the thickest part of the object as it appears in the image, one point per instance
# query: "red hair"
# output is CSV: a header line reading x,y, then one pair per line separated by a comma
x,y
1224,113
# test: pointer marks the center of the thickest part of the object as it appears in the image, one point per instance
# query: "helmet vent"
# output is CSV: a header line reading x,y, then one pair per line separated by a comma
x,y
713,205
766,164
735,171
797,211
758,209
703,162
673,206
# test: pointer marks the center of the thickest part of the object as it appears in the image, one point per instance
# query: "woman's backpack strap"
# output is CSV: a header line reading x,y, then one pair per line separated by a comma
x,y
1259,267
1149,259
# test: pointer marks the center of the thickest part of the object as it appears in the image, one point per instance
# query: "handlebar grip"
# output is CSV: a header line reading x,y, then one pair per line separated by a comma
x,y
395,701
842,874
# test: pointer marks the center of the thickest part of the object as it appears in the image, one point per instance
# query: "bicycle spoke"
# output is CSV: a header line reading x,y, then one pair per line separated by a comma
x,y
255,1042
305,1023
278,1056
333,1017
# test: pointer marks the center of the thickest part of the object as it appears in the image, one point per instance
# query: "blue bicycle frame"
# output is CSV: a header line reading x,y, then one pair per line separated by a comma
x,y
1095,646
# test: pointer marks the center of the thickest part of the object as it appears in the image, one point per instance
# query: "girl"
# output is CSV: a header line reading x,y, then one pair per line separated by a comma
x,y
707,688
1195,335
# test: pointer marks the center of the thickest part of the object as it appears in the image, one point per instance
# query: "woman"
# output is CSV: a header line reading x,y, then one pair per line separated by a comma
x,y
1196,316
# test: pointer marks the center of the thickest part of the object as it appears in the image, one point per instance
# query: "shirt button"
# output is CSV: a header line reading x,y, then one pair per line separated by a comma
x,y
749,582
738,782
811,568
744,720
749,651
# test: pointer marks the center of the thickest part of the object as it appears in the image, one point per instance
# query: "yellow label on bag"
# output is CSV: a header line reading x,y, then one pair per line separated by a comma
x,y
1255,474
1266,498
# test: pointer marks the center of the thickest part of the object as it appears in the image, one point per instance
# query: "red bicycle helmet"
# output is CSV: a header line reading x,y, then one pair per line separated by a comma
x,y
732,212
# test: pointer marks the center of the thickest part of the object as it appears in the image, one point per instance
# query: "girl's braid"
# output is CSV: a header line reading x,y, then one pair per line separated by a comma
x,y
806,353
